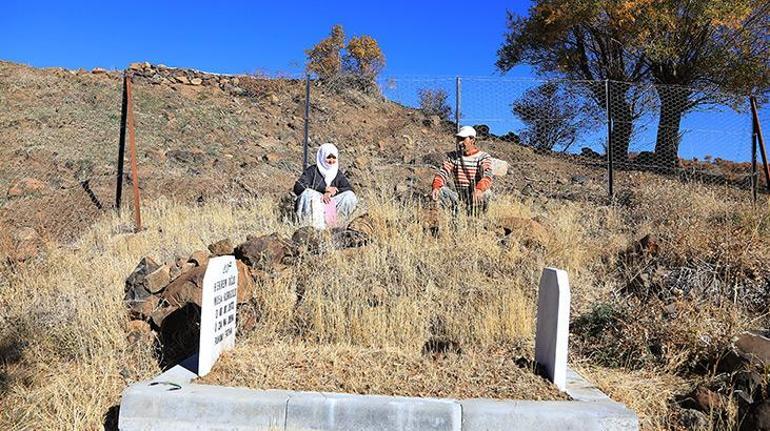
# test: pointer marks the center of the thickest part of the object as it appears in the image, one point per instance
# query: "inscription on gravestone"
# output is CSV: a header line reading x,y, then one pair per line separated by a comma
x,y
218,307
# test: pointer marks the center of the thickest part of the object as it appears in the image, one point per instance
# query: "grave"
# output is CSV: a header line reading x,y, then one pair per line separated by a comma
x,y
171,401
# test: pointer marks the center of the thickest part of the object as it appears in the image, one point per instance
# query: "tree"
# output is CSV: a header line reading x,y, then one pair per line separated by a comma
x,y
584,41
325,58
434,102
702,52
693,51
553,117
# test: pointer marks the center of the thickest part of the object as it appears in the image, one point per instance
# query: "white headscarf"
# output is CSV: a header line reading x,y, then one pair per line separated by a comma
x,y
327,170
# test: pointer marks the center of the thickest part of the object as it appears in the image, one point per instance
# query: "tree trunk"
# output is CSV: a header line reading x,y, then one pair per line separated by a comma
x,y
622,122
674,101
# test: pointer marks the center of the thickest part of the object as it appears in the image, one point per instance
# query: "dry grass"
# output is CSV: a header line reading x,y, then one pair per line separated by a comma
x,y
490,373
364,315
65,321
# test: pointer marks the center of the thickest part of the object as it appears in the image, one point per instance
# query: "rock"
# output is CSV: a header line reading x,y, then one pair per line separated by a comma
x,y
434,159
579,179
753,347
196,81
186,289
138,330
27,244
135,290
362,224
528,190
98,71
499,167
530,231
708,400
187,266
245,283
199,258
222,247
272,157
24,187
693,420
265,252
159,315
145,308
587,152
182,79
308,238
434,121
135,66
155,281
758,417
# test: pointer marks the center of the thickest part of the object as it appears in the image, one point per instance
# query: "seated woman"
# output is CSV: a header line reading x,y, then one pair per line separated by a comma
x,y
322,189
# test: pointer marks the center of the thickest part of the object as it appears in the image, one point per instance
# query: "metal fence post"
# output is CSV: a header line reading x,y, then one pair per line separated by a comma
x,y
761,141
307,121
610,157
121,143
132,155
458,95
754,182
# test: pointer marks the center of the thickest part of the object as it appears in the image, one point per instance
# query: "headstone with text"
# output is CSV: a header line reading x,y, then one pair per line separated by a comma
x,y
218,307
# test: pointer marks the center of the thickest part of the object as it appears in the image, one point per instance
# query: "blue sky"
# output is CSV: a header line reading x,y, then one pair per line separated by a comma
x,y
417,37
428,39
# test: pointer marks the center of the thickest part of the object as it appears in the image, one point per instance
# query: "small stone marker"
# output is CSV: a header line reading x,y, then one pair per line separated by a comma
x,y
218,302
553,301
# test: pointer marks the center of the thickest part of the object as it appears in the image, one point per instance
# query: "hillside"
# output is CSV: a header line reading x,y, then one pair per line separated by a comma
x,y
663,278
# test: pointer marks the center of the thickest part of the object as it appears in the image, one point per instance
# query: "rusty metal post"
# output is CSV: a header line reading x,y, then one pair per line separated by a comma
x,y
132,154
761,141
121,145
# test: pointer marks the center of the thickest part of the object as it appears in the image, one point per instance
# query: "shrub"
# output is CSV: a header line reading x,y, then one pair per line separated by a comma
x,y
363,57
434,102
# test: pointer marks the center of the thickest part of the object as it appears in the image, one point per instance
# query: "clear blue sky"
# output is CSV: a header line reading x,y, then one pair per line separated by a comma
x,y
419,38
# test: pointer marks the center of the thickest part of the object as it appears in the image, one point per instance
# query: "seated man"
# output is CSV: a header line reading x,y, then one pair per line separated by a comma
x,y
323,191
465,176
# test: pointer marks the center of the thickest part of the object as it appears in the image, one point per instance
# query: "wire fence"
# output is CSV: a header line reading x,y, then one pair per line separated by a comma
x,y
203,137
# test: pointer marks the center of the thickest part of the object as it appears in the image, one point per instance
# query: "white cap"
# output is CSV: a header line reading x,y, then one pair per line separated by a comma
x,y
466,131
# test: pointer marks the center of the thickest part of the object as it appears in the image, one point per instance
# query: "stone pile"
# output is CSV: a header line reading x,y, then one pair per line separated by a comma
x,y
161,74
154,291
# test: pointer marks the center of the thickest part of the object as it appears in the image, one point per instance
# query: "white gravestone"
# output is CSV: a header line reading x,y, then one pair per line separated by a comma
x,y
218,306
553,301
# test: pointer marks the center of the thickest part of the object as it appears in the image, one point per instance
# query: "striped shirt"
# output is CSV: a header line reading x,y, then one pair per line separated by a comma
x,y
466,171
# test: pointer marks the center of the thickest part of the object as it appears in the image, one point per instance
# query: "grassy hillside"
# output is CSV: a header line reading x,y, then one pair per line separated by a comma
x,y
650,320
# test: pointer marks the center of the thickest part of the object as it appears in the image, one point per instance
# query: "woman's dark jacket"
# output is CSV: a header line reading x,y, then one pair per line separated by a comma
x,y
313,179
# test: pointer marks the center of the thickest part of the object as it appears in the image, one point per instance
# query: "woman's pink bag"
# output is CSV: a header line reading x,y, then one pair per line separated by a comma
x,y
330,214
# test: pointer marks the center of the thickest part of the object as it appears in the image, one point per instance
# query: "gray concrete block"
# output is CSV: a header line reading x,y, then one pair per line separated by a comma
x,y
346,412
157,406
491,415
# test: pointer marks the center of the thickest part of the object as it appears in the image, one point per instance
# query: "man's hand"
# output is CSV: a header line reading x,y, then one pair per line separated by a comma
x,y
478,196
332,190
434,194
326,198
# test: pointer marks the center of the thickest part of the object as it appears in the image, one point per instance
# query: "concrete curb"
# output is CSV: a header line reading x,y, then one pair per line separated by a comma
x,y
170,402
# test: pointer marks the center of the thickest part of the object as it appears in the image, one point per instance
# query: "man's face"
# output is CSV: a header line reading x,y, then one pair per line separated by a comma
x,y
467,144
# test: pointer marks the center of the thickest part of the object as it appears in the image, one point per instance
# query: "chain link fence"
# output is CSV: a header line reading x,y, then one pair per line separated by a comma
x,y
214,138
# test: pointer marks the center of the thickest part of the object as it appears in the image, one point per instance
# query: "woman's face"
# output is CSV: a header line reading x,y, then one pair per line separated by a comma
x,y
331,159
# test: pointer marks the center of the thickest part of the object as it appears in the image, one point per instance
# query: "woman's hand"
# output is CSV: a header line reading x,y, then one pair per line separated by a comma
x,y
332,190
326,198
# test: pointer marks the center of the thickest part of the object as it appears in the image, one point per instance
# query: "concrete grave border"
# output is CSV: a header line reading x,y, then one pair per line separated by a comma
x,y
171,402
